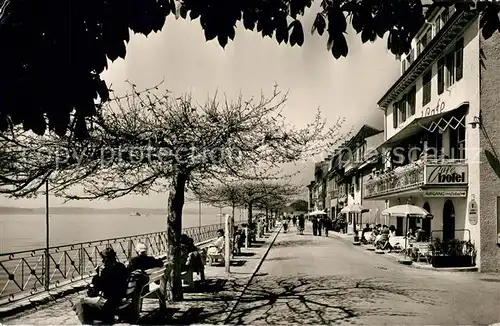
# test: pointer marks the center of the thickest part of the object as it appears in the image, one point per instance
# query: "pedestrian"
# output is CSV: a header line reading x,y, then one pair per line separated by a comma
x,y
327,223
314,225
301,222
320,225
294,221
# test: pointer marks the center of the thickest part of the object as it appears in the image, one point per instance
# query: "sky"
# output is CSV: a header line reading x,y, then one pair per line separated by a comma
x,y
348,87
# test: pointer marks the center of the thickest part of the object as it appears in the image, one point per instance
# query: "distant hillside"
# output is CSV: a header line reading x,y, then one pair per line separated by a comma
x,y
61,210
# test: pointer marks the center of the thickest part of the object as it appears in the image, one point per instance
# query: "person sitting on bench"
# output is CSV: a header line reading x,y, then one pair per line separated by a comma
x,y
191,258
217,248
106,291
142,261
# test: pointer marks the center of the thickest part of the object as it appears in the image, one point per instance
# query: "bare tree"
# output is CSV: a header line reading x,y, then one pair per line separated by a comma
x,y
144,142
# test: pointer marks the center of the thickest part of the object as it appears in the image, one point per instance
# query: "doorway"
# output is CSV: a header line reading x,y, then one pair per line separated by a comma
x,y
426,222
448,220
399,226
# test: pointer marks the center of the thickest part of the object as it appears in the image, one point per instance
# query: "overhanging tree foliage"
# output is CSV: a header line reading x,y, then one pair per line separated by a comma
x,y
54,50
144,142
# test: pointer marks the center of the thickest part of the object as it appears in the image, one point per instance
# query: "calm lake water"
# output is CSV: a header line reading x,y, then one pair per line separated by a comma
x,y
24,232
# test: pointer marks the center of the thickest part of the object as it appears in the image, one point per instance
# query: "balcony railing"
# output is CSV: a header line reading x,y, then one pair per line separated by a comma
x,y
431,172
24,274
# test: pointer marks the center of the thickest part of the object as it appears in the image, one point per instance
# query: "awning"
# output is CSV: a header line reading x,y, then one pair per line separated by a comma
x,y
418,124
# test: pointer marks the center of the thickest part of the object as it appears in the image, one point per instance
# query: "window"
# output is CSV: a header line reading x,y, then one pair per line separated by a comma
x,y
441,75
426,98
457,143
450,69
402,109
444,16
459,59
424,40
409,57
395,115
411,99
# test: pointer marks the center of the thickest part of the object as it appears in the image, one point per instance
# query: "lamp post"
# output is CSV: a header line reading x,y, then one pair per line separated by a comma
x,y
47,234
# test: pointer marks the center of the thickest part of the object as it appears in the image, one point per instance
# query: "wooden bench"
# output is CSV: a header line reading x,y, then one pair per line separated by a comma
x,y
152,282
422,250
214,257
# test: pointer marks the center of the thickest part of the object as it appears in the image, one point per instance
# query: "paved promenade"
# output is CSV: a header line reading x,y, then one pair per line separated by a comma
x,y
307,279
317,280
211,305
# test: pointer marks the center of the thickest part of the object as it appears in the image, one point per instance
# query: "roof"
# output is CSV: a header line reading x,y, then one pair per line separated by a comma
x,y
417,124
364,132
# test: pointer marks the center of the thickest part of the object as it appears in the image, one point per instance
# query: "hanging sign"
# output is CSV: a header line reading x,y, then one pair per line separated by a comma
x,y
473,212
445,193
446,174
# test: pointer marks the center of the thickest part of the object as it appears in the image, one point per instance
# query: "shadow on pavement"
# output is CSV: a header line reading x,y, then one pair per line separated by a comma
x,y
294,243
321,300
209,303
245,254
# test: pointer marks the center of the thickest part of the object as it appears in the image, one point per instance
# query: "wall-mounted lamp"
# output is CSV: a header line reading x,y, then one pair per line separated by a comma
x,y
476,121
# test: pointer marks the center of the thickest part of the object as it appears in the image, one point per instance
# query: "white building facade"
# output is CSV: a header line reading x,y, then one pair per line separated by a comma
x,y
431,148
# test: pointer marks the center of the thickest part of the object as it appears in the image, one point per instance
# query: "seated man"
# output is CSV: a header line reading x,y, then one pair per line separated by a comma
x,y
383,241
411,235
191,257
105,293
142,261
366,229
217,248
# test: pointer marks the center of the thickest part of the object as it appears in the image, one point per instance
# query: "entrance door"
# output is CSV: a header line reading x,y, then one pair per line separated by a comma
x,y
426,222
448,220
399,226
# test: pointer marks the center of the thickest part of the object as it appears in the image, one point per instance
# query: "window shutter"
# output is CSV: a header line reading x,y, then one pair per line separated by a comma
x,y
440,75
395,115
459,59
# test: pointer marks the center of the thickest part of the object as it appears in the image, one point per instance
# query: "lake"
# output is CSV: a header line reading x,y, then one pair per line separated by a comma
x,y
25,232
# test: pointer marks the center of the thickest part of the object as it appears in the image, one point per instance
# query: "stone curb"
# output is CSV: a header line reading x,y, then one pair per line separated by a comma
x,y
263,258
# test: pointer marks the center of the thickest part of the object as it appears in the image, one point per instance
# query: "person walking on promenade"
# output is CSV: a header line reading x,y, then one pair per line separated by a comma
x,y
294,221
327,224
315,225
320,225
302,223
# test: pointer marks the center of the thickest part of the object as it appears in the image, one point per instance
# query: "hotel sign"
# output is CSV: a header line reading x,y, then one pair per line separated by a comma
x,y
445,193
450,174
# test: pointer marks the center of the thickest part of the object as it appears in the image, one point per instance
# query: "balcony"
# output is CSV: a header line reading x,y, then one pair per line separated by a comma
x,y
417,176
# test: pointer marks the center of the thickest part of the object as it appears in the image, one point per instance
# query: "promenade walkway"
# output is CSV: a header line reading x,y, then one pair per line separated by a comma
x,y
210,306
317,280
307,279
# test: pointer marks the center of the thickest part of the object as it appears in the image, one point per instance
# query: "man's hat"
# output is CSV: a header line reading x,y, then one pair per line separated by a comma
x,y
108,253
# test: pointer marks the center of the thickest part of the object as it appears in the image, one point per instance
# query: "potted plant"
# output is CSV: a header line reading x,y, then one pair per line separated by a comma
x,y
453,253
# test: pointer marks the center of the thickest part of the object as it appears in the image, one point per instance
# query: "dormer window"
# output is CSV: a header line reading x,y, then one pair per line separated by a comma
x,y
424,40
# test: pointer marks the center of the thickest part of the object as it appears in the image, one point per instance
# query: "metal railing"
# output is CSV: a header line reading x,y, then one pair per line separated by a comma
x,y
26,273
409,177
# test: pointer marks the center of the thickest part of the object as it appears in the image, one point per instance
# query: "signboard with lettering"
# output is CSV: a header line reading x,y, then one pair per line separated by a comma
x,y
453,174
445,193
433,110
473,211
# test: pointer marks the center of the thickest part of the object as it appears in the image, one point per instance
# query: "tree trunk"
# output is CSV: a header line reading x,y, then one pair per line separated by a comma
x,y
174,231
249,214
267,221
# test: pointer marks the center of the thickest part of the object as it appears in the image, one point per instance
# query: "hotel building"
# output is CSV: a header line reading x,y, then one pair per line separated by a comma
x,y
439,117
